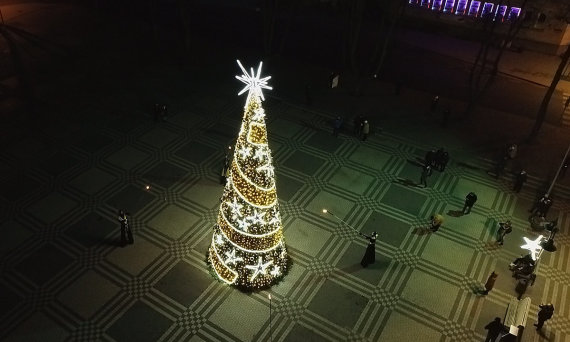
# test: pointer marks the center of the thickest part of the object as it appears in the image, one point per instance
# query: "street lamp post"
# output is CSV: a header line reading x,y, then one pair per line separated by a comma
x,y
270,331
558,171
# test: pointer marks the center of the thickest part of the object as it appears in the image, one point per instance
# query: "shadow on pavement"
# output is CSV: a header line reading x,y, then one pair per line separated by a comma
x,y
421,231
455,213
406,182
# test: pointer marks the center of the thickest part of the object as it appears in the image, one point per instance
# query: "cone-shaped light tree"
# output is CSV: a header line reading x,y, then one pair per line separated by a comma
x,y
248,249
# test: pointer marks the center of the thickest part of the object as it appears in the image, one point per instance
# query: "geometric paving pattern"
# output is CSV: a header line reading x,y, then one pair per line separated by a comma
x,y
64,276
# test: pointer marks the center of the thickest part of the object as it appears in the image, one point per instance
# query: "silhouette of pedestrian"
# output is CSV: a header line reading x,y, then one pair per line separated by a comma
x,y
337,125
430,157
523,283
495,328
490,283
470,200
519,181
358,121
504,229
370,254
365,130
126,233
544,314
436,222
500,167
434,103
542,206
157,111
426,172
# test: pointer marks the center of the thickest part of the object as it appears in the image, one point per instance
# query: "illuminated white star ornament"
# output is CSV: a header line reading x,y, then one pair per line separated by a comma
x,y
219,239
259,114
259,268
244,152
231,257
275,271
253,83
267,168
533,246
259,154
235,207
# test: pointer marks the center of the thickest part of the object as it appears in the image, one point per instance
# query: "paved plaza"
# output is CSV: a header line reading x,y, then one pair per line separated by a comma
x,y
92,147
64,275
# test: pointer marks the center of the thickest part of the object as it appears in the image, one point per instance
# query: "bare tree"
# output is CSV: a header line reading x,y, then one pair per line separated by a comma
x,y
541,115
184,10
270,12
392,14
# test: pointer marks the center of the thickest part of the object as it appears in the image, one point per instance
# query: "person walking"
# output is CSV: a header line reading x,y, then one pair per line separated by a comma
x,y
336,126
500,167
430,157
365,130
426,172
126,233
434,103
470,200
519,181
541,207
504,229
495,328
436,222
358,121
490,283
370,254
544,314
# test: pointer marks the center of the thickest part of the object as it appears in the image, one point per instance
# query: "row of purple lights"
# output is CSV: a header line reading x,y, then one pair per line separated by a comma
x,y
471,8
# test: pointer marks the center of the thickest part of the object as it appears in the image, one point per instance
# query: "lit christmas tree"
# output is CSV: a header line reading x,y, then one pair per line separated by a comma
x,y
248,249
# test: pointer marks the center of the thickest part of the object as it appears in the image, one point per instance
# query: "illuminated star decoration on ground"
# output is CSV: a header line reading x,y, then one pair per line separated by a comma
x,y
533,246
253,82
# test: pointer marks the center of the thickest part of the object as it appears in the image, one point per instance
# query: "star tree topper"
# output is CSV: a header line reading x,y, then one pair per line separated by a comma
x,y
253,83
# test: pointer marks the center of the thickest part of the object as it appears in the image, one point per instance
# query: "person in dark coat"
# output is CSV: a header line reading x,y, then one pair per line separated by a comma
x,y
490,283
519,181
504,229
544,314
429,158
470,200
444,161
522,284
500,167
426,172
542,206
436,222
358,122
370,254
337,125
434,103
365,130
438,158
126,233
495,328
